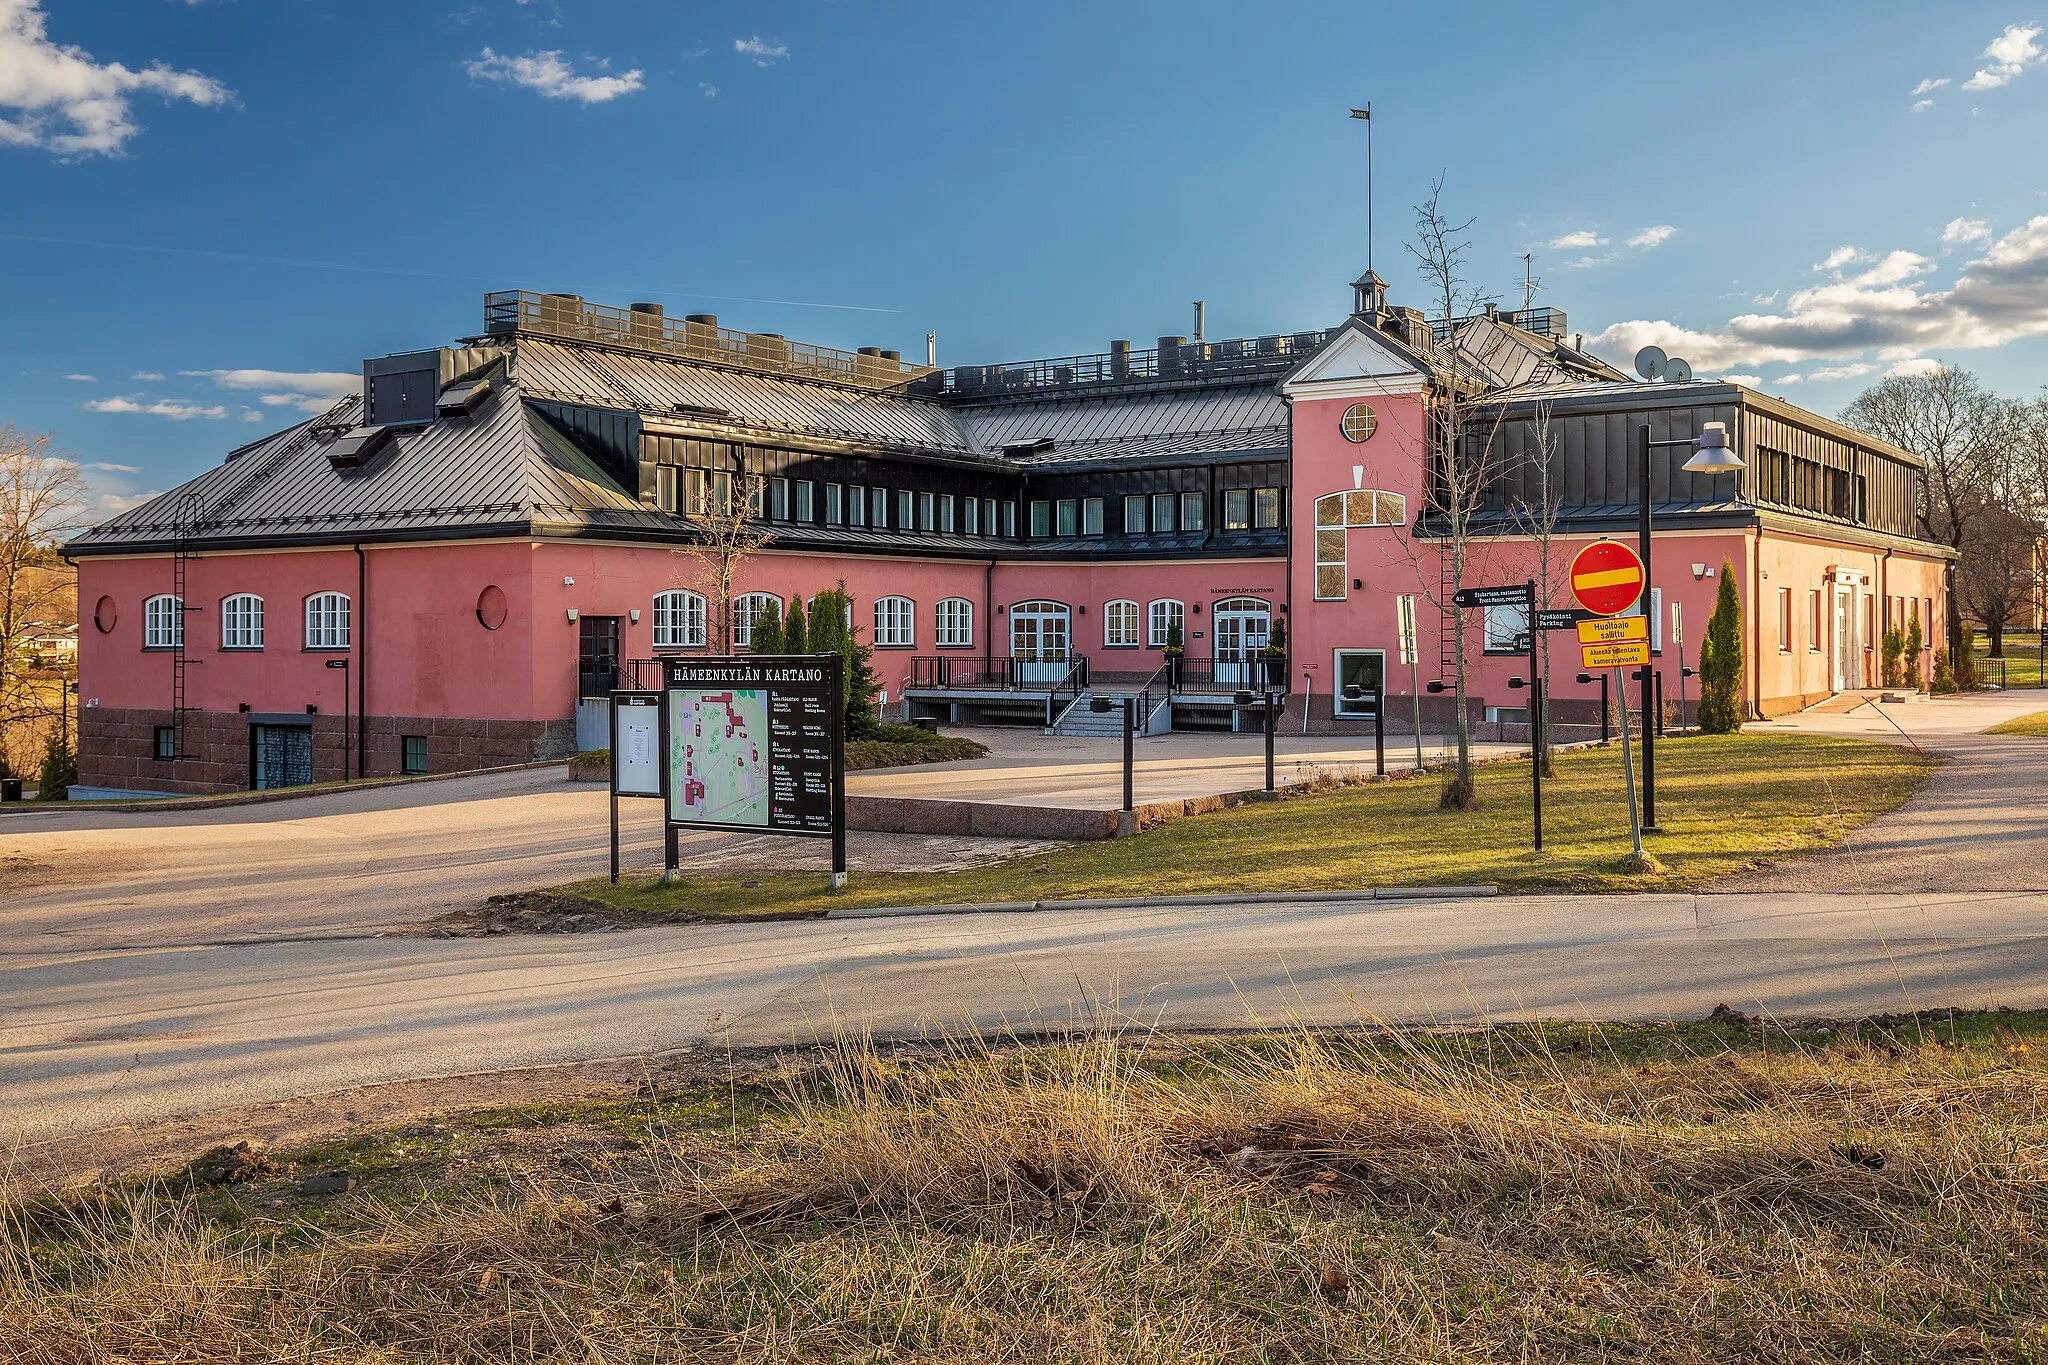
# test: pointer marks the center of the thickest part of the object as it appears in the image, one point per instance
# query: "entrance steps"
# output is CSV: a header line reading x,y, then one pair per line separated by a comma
x,y
1083,719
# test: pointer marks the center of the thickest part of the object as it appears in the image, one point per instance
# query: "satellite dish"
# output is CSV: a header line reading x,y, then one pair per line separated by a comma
x,y
1650,362
1676,371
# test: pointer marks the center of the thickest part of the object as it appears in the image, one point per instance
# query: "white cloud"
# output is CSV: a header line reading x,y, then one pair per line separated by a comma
x,y
1829,374
147,377
333,383
1890,311
1966,230
709,91
764,54
83,378
251,415
177,409
115,468
1931,83
1918,365
1843,255
1577,241
547,73
1764,300
1922,106
1652,237
2010,53
65,101
1748,381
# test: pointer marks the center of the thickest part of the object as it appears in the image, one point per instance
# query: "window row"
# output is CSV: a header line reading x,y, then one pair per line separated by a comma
x,y
712,493
241,622
1244,509
680,620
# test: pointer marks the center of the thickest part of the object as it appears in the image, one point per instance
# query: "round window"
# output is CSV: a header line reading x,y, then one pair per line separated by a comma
x,y
106,615
1360,422
490,607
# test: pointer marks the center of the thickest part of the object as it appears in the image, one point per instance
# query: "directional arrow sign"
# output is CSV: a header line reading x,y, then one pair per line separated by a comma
x,y
1607,577
1562,618
1511,595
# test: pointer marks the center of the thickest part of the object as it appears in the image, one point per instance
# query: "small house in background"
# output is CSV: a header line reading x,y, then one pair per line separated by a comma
x,y
450,570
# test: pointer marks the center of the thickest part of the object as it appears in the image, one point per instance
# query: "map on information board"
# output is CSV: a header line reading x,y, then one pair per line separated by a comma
x,y
718,756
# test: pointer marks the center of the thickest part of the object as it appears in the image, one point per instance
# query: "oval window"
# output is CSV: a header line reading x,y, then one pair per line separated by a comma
x,y
106,615
490,607
1360,422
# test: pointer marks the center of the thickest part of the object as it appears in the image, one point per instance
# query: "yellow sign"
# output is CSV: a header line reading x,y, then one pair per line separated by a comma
x,y
1620,654
1608,629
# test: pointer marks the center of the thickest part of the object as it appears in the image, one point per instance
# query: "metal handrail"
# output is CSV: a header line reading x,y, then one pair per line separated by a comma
x,y
511,311
1190,360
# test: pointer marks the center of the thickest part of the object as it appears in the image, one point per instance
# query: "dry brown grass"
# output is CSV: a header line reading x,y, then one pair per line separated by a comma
x,y
1498,1197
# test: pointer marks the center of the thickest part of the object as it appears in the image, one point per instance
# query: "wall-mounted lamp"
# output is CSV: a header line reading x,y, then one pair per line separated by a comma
x,y
1357,584
1081,609
635,615
312,710
243,708
572,616
1699,571
1195,607
568,582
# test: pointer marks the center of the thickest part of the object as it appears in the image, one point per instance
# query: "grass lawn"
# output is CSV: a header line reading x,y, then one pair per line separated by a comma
x,y
1724,802
2033,723
2022,660
1701,1192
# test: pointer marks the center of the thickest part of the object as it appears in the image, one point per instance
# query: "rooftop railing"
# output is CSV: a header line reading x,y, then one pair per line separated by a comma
x,y
643,328
1549,322
1183,361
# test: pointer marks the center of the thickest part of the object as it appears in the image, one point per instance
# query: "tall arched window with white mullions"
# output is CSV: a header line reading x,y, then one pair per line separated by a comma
x,y
678,620
163,623
895,622
241,621
1337,513
327,621
746,609
956,623
1120,628
1166,618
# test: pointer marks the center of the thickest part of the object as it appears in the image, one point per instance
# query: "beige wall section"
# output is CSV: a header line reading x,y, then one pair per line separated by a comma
x,y
1821,610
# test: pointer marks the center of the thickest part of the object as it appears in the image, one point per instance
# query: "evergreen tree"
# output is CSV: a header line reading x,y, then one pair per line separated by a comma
x,y
1721,661
1911,675
768,629
796,637
60,770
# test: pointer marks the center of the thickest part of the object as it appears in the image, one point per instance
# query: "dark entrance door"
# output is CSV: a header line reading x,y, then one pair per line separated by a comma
x,y
597,664
280,756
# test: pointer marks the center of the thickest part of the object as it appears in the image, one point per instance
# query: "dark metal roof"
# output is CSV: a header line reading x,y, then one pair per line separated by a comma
x,y
1206,410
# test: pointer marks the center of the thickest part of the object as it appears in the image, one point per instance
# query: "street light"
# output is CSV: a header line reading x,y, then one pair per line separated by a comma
x,y
1712,455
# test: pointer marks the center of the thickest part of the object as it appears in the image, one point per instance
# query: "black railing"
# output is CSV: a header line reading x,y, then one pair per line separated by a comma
x,y
1188,360
1071,686
964,671
1256,672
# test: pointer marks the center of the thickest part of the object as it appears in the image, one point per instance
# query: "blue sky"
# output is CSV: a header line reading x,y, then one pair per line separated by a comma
x,y
210,209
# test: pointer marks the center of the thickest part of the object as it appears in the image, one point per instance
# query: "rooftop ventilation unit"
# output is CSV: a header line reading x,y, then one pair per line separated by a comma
x,y
360,446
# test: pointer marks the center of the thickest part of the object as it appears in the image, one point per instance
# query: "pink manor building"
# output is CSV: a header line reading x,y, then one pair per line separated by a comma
x,y
442,573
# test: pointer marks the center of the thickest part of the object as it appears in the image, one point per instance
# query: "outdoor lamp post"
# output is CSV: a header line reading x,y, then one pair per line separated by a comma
x,y
1586,679
1535,686
1711,455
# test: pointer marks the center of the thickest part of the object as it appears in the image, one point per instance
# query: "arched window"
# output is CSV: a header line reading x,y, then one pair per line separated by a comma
x,y
895,622
327,621
163,623
241,621
678,620
1120,625
1165,617
1338,512
745,608
956,623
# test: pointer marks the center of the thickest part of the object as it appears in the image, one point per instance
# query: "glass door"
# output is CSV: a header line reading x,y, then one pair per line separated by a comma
x,y
597,661
1242,626
280,756
1039,642
1848,671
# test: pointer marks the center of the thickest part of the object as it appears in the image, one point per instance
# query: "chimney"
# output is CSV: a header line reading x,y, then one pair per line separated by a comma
x,y
1201,314
1170,349
1119,360
931,349
645,323
893,357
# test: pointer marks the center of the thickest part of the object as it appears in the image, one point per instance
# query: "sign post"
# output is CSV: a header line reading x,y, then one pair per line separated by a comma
x,y
1408,653
1607,578
1522,595
755,744
636,754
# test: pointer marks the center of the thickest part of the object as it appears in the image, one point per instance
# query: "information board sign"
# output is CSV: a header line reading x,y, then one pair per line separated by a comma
x,y
754,744
636,743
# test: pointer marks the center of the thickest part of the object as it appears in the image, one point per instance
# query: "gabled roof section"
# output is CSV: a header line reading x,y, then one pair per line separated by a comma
x,y
506,470
1360,359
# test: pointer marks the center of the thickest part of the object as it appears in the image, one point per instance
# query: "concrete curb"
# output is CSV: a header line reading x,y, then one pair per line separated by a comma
x,y
1375,893
217,800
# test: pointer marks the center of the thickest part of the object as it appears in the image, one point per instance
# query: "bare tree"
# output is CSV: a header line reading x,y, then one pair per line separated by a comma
x,y
725,511
1996,577
1965,435
1461,455
1535,508
42,495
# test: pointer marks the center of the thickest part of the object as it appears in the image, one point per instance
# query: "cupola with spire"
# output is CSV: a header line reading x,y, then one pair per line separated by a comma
x,y
1368,296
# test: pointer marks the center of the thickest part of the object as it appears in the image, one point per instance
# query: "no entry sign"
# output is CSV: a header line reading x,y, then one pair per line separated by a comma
x,y
1607,577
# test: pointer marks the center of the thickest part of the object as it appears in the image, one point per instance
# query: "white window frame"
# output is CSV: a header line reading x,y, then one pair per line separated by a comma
x,y
1342,706
1137,514
1121,624
1160,613
745,608
895,623
327,621
679,619
955,623
163,622
1503,624
241,621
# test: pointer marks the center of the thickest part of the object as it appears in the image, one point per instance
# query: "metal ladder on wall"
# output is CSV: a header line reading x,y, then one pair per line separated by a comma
x,y
193,516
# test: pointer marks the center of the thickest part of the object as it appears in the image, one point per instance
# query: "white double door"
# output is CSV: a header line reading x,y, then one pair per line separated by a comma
x,y
1040,642
1242,626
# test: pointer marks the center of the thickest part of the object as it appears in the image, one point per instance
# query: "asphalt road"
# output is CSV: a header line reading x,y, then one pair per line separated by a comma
x,y
96,1040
